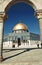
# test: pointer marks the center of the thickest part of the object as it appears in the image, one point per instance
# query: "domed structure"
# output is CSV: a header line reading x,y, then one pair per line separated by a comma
x,y
20,26
20,37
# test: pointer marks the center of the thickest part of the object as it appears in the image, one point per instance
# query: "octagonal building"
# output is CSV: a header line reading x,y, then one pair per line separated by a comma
x,y
21,37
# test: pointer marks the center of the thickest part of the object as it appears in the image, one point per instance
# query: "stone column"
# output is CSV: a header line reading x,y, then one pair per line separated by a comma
x,y
2,18
39,16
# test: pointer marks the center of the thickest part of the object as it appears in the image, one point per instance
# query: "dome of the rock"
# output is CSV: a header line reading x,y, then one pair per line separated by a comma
x,y
20,26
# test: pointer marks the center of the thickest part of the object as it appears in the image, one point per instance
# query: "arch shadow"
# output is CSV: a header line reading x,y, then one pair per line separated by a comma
x,y
25,50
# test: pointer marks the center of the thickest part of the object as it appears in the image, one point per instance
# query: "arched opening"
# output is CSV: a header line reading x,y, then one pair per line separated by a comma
x,y
24,12
12,2
17,1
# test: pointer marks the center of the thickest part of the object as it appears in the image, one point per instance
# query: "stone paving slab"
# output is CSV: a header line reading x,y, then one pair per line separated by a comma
x,y
22,63
22,57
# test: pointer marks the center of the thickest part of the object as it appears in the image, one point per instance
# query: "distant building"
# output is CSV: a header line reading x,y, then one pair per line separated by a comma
x,y
21,37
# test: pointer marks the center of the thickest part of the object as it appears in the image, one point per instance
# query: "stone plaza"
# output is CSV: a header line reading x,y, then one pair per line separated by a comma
x,y
22,57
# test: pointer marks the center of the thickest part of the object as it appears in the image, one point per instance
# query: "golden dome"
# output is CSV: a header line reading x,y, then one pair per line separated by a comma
x,y
20,26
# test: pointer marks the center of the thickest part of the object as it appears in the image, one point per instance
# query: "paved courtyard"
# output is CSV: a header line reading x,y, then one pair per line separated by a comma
x,y
22,57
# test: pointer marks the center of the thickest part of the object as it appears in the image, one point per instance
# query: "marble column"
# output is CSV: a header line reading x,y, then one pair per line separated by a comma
x,y
39,16
2,18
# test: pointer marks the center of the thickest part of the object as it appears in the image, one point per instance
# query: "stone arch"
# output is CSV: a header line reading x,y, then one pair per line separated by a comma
x,y
37,6
17,1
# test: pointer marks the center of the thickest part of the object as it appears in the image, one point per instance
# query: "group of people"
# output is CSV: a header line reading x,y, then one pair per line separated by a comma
x,y
38,45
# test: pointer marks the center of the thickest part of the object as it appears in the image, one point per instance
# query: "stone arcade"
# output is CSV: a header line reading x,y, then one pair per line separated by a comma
x,y
5,4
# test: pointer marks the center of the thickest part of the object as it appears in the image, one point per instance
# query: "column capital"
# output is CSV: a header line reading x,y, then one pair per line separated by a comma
x,y
3,16
38,14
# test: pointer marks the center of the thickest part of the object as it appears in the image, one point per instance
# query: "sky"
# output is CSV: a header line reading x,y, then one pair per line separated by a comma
x,y
24,13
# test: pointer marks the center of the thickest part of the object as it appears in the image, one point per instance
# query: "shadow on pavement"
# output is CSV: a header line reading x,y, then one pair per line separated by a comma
x,y
14,55
28,49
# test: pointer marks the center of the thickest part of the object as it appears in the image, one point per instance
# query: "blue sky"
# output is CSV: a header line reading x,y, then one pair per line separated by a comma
x,y
24,13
